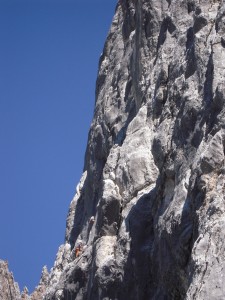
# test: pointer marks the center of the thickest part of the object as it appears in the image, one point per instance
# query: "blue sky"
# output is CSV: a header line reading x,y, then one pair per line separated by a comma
x,y
49,52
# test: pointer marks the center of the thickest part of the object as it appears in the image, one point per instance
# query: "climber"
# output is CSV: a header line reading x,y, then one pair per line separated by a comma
x,y
91,221
78,250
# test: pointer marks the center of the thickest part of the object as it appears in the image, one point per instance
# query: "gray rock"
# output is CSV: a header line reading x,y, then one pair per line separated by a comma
x,y
154,163
9,289
147,220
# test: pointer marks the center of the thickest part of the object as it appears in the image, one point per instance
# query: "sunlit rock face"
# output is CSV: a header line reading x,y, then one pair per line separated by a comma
x,y
9,289
154,174
148,217
149,210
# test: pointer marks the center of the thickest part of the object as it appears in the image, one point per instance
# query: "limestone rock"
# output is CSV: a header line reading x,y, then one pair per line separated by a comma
x,y
153,182
9,289
148,217
40,290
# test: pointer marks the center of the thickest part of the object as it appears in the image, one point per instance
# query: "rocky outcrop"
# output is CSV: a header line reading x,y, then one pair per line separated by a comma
x,y
41,288
154,172
9,289
147,220
149,209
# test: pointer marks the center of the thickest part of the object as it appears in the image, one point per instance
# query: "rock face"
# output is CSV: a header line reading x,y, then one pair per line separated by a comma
x,y
149,211
9,289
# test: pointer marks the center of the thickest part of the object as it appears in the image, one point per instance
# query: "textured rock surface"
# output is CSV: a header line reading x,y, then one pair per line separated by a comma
x,y
9,289
154,169
149,209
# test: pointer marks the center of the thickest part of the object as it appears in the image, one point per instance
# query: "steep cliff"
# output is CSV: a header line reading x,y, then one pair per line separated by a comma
x,y
154,168
149,212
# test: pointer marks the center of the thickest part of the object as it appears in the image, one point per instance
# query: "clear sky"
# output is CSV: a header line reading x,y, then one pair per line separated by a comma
x,y
49,52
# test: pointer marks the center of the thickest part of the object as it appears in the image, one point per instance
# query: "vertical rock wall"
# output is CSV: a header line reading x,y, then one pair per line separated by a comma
x,y
154,171
149,210
154,168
